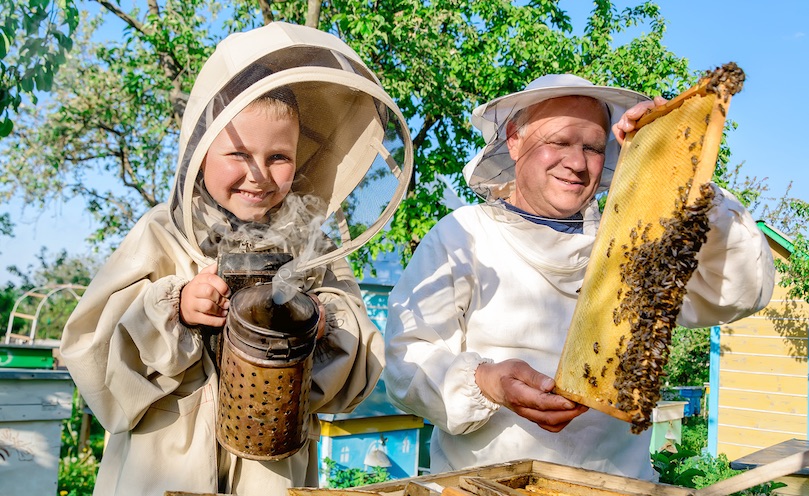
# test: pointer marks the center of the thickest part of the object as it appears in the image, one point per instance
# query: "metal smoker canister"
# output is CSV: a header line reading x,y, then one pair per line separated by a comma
x,y
266,374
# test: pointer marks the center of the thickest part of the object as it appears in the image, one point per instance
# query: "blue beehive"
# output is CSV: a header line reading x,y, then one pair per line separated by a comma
x,y
693,395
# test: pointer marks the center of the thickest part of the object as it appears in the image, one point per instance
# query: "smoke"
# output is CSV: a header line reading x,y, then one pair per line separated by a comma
x,y
294,228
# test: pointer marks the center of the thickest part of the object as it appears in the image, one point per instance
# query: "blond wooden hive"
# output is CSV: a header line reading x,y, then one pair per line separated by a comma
x,y
644,253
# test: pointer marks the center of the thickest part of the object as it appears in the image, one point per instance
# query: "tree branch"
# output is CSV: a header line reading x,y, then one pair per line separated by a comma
x,y
313,14
122,15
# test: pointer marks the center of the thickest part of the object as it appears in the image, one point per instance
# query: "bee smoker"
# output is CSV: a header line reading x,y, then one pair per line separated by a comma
x,y
266,373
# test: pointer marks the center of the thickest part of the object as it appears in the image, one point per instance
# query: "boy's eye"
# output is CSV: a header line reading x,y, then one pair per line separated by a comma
x,y
280,157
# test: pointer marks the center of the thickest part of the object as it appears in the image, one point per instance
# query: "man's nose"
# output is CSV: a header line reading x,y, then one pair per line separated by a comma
x,y
575,158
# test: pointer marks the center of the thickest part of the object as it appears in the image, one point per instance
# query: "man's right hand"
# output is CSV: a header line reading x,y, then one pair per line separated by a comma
x,y
518,387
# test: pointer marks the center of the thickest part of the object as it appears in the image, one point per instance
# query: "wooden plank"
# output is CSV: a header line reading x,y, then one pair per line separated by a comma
x,y
35,400
764,327
742,441
782,365
795,347
791,384
771,454
762,420
774,402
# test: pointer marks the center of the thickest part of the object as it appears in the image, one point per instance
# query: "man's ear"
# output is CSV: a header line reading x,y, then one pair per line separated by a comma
x,y
513,139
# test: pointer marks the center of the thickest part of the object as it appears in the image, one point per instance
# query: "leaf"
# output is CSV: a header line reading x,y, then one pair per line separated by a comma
x,y
6,126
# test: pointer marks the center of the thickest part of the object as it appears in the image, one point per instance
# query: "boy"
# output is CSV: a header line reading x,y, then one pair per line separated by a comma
x,y
266,128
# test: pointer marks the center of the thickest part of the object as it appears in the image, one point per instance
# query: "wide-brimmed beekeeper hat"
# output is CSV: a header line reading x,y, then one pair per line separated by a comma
x,y
354,151
491,172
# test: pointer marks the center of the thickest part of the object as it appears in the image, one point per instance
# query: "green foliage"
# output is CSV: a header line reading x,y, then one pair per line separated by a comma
x,y
353,477
689,357
78,465
674,467
795,271
688,466
791,216
695,433
114,110
35,36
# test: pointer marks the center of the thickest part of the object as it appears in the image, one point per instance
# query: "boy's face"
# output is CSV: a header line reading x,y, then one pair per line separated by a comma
x,y
250,165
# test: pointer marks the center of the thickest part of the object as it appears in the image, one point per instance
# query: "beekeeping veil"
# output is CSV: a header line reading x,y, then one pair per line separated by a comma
x,y
354,151
491,172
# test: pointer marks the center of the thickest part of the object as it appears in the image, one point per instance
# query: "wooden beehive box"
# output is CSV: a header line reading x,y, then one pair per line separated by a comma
x,y
508,479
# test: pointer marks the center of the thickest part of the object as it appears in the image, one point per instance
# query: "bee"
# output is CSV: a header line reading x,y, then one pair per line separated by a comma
x,y
722,109
586,370
595,347
687,132
615,207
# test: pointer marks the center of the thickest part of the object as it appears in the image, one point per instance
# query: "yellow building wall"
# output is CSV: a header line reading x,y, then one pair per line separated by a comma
x,y
764,376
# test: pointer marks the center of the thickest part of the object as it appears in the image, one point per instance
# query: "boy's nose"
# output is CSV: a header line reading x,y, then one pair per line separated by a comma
x,y
256,173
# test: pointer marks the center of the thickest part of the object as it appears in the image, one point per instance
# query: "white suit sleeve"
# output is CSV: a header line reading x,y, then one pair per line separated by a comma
x,y
427,371
735,275
124,344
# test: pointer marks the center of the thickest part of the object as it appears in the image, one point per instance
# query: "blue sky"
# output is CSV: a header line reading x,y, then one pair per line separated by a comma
x,y
769,41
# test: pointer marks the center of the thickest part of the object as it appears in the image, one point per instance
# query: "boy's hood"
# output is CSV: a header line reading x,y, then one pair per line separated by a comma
x,y
352,134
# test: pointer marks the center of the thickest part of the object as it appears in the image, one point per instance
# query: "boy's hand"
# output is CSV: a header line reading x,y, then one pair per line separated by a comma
x,y
204,300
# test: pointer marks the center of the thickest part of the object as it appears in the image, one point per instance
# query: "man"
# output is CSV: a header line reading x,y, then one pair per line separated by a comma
x,y
478,320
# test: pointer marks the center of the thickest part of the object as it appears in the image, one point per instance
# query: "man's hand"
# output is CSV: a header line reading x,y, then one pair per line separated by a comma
x,y
204,300
518,387
631,117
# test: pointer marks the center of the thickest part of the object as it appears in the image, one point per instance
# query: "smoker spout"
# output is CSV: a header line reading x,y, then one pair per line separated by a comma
x,y
298,315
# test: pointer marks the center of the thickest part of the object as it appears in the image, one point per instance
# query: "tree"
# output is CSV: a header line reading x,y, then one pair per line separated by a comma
x,y
109,130
35,35
791,216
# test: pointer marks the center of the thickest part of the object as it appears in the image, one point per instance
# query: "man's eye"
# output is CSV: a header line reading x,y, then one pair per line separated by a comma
x,y
598,150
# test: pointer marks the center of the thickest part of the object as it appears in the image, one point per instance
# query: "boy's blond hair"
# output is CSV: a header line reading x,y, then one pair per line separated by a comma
x,y
280,102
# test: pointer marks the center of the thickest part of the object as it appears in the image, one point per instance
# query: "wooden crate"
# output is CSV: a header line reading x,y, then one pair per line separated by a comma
x,y
508,479
33,404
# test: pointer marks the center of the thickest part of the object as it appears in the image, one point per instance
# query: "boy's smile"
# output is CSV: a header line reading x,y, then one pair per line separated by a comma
x,y
250,165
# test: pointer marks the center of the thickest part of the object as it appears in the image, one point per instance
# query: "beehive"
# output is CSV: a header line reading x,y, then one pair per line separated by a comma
x,y
654,222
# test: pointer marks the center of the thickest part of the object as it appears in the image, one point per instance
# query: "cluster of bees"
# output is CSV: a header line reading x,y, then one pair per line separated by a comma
x,y
655,275
725,81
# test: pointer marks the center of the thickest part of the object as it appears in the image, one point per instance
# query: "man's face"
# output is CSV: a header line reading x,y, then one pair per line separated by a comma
x,y
559,155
